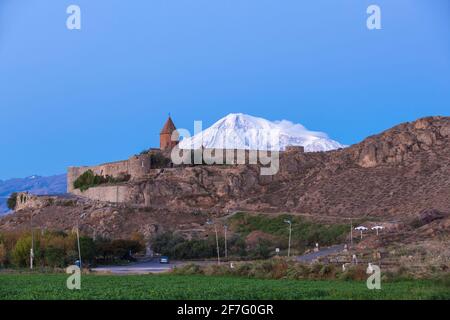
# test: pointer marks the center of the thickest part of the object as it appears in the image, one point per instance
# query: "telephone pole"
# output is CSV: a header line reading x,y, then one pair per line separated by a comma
x,y
32,243
225,227
290,234
217,240
351,233
78,242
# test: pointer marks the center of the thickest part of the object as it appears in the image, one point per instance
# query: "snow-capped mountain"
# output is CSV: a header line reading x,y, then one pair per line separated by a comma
x,y
241,131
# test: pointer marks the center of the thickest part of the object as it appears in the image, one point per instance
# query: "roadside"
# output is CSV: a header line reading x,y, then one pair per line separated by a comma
x,y
154,266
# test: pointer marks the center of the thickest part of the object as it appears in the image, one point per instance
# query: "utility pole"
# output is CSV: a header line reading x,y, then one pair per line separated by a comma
x,y
32,243
78,241
290,234
351,233
217,243
217,240
225,231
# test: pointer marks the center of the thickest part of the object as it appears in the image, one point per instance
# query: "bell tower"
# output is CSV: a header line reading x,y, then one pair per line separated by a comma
x,y
165,136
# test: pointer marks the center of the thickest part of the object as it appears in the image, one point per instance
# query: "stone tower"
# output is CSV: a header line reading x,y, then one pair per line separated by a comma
x,y
165,136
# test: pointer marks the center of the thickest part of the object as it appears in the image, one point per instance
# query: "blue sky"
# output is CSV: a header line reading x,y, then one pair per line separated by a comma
x,y
102,93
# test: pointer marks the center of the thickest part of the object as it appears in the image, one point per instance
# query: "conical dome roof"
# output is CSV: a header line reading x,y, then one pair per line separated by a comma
x,y
169,127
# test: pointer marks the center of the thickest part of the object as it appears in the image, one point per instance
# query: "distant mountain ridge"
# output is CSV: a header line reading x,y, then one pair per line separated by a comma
x,y
242,131
56,184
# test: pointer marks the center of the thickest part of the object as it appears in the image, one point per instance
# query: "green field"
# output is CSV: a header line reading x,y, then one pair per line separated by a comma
x,y
170,287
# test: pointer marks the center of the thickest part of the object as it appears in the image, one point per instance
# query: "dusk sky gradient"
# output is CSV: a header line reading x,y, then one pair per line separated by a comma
x,y
103,93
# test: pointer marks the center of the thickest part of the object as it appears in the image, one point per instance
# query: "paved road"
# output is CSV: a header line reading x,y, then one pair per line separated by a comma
x,y
154,266
138,268
322,253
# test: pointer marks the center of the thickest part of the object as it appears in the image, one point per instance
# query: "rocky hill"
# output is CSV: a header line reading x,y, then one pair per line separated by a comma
x,y
33,184
392,176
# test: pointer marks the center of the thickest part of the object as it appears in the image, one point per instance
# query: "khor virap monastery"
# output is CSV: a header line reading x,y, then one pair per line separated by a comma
x,y
305,182
122,181
137,166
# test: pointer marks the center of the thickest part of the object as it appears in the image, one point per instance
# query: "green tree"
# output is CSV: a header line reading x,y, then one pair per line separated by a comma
x,y
262,249
87,248
3,255
21,251
157,160
12,201
54,256
84,181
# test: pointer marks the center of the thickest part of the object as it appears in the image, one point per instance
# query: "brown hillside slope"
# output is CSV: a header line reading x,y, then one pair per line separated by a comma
x,y
397,173
393,175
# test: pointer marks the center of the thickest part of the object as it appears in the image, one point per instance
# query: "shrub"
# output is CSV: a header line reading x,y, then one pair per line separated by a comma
x,y
298,271
243,270
262,250
164,243
12,201
189,269
327,271
444,280
279,269
268,269
354,273
21,251
175,246
58,249
305,233
107,250
316,268
55,257
237,246
88,179
3,255
157,160
216,270
416,223
85,181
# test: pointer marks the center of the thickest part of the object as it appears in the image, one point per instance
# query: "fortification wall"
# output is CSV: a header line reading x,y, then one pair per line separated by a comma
x,y
140,166
107,169
136,166
114,194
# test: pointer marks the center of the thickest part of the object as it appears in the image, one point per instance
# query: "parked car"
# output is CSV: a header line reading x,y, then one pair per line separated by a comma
x,y
164,259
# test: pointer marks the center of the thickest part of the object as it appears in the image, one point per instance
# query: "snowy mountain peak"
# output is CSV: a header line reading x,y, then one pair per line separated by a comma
x,y
241,131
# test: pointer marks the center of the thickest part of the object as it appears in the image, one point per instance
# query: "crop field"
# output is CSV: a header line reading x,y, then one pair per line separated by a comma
x,y
173,287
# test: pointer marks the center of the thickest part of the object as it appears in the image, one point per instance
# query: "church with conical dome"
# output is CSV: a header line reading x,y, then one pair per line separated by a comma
x,y
135,167
166,140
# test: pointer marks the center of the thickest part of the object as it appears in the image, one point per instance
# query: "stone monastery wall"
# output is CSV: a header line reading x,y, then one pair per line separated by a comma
x,y
140,166
136,166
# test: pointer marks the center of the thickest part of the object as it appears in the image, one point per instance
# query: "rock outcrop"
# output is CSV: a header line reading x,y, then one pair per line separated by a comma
x,y
401,143
394,175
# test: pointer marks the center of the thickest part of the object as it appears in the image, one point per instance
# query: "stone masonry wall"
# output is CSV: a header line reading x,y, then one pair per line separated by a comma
x,y
137,166
114,194
112,169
